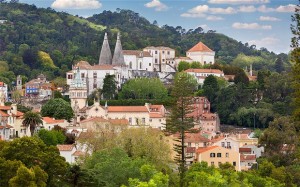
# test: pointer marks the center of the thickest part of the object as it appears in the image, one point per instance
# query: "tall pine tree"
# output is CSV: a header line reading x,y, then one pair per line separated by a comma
x,y
181,120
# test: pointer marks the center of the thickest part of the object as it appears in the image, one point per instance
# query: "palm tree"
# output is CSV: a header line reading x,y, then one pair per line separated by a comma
x,y
32,120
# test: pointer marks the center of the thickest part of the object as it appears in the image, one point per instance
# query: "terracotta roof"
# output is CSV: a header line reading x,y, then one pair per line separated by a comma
x,y
78,153
200,47
195,138
137,53
217,139
65,147
102,67
19,114
155,115
127,109
94,119
83,65
3,114
2,84
247,157
244,149
5,126
49,120
5,107
204,149
190,149
215,71
183,58
252,78
156,107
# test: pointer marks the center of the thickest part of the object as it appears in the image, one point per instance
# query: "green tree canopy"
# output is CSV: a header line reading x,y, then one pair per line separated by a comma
x,y
109,87
32,120
57,108
183,65
143,88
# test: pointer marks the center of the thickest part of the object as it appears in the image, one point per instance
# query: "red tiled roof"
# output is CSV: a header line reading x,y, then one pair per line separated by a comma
x,y
247,157
51,120
137,53
102,120
5,126
65,147
217,139
3,114
127,109
5,107
195,138
2,84
200,47
78,153
183,58
94,119
215,71
190,149
155,115
244,149
204,149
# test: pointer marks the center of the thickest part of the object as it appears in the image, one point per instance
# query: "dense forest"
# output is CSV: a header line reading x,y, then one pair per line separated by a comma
x,y
35,40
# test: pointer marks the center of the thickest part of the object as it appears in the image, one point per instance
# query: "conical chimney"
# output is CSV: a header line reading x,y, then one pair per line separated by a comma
x,y
118,58
105,54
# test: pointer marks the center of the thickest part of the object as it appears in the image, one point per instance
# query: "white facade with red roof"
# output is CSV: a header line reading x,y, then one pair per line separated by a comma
x,y
69,152
201,53
148,115
49,123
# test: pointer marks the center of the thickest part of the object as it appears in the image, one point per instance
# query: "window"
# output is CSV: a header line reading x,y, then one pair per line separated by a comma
x,y
212,154
212,163
219,163
130,121
69,77
155,61
149,64
163,60
140,65
227,155
204,62
150,120
223,144
168,52
228,145
130,65
82,75
219,154
94,85
143,120
95,75
159,120
155,52
189,144
234,163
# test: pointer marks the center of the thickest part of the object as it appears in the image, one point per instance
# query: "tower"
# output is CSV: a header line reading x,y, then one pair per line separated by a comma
x,y
105,54
78,91
19,82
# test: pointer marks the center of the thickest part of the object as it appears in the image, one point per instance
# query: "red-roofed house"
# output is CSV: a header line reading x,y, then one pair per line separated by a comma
x,y
247,160
215,155
67,151
49,123
148,115
201,53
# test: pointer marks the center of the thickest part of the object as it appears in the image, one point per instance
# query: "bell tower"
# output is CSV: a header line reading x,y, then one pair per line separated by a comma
x,y
78,91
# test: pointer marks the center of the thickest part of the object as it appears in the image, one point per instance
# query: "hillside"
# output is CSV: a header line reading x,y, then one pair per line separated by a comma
x,y
66,38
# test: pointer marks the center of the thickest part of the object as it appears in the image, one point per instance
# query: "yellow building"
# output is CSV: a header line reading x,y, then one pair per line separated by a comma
x,y
215,155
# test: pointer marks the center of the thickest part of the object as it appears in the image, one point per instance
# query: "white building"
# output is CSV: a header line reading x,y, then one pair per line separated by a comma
x,y
201,53
201,74
138,60
69,152
3,92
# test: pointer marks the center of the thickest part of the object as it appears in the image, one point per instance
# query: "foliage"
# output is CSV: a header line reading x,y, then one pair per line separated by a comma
x,y
210,88
143,88
109,87
52,137
183,65
46,157
32,120
57,108
180,120
146,143
112,167
241,77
